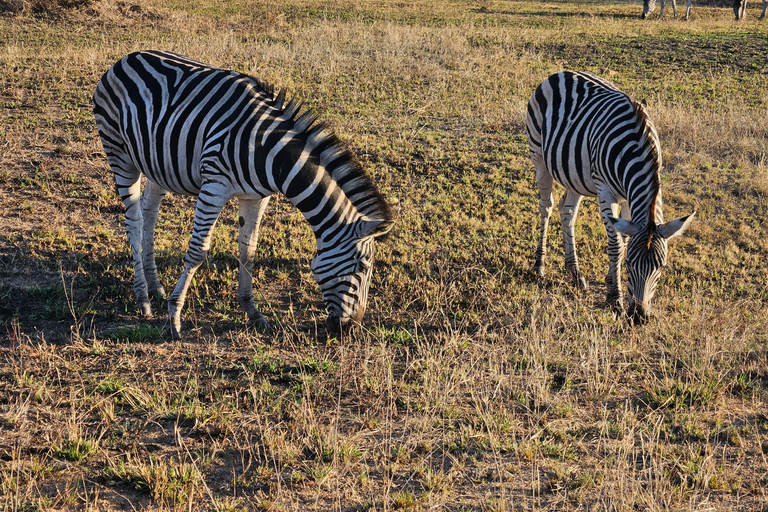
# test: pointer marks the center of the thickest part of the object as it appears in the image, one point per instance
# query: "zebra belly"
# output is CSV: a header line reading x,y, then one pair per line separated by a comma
x,y
571,167
585,187
165,179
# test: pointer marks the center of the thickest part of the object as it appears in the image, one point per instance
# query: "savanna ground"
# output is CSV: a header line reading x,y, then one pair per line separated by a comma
x,y
472,386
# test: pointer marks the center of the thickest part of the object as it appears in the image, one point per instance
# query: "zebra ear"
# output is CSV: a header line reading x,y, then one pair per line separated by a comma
x,y
375,228
675,228
624,227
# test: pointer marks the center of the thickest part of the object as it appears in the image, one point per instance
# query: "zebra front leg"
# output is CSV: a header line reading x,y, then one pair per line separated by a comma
x,y
765,7
128,184
688,9
150,206
569,209
209,205
251,212
616,251
544,181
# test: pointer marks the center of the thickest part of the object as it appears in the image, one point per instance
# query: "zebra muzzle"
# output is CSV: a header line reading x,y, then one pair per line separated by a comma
x,y
638,313
335,325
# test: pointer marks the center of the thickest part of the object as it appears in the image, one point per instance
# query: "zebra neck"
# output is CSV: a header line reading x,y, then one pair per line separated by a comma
x,y
323,203
641,206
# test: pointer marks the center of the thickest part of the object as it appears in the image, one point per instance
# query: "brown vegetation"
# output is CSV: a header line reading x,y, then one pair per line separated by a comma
x,y
472,386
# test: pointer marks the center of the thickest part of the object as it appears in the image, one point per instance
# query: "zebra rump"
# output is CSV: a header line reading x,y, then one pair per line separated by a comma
x,y
217,134
590,137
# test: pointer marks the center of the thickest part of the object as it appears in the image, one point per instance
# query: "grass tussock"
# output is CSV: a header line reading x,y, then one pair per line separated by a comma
x,y
472,385
40,6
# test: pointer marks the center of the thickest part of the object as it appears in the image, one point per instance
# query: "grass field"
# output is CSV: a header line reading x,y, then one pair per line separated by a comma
x,y
473,385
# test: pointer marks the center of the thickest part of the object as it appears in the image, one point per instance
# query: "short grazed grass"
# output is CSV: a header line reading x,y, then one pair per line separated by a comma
x,y
472,385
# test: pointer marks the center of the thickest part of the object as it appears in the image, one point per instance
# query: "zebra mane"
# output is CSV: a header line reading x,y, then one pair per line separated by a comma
x,y
651,142
340,163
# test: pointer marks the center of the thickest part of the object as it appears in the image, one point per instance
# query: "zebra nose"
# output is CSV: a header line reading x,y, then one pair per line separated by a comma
x,y
357,316
335,325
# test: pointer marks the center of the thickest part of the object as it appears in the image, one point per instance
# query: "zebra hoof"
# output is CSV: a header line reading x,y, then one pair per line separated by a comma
x,y
145,309
617,308
260,323
579,280
538,270
173,333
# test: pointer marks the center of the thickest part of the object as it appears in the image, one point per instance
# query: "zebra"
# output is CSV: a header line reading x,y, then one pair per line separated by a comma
x,y
590,137
194,129
650,5
739,8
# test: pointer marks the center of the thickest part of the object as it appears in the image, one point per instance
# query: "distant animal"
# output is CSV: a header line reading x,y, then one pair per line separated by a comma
x,y
739,8
216,134
650,5
590,137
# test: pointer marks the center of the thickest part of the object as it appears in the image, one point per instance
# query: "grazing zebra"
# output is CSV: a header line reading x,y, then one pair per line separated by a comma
x,y
594,140
216,134
739,8
650,5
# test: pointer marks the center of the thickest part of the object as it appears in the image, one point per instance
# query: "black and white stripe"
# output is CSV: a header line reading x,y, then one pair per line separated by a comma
x,y
590,137
217,134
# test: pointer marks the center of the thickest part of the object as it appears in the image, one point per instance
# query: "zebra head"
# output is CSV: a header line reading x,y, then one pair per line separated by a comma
x,y
646,256
343,269
648,7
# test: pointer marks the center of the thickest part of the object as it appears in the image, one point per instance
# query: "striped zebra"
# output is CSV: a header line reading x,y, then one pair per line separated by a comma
x,y
739,8
216,134
650,5
590,137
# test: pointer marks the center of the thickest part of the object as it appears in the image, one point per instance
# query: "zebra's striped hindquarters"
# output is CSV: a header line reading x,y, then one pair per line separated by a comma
x,y
216,134
590,137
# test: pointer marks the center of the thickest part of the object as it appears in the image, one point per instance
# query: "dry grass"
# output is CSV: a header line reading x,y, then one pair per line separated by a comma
x,y
472,386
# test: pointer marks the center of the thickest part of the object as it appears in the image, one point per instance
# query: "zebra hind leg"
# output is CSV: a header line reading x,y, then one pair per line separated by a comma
x,y
569,209
128,185
251,213
544,180
150,206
